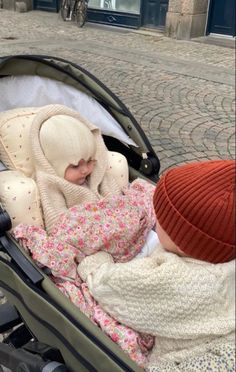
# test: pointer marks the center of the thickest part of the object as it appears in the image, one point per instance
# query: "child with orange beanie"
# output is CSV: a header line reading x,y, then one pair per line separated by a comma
x,y
184,293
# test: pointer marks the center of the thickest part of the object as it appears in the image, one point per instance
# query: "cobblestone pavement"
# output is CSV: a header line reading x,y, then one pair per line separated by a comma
x,y
181,92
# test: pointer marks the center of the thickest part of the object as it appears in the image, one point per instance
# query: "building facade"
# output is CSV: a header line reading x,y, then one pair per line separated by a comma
x,y
181,19
192,18
131,13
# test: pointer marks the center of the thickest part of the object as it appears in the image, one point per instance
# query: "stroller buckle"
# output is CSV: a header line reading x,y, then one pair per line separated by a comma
x,y
5,221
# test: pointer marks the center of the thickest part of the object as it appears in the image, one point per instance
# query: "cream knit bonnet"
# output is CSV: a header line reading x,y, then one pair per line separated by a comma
x,y
66,140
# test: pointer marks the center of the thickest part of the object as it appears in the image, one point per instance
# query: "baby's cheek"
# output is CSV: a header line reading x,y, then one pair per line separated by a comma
x,y
165,240
91,168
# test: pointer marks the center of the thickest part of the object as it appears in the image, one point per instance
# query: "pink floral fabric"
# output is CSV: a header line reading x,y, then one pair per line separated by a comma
x,y
59,257
135,344
119,226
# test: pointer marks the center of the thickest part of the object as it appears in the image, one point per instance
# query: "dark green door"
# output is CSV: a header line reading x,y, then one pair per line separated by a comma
x,y
154,13
222,17
48,5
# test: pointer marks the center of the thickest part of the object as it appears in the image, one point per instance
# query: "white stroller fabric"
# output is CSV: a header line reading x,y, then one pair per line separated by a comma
x,y
35,91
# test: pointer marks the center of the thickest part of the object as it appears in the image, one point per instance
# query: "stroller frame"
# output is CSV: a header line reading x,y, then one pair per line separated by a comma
x,y
52,334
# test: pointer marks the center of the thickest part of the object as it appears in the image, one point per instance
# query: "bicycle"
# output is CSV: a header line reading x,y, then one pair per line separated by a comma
x,y
76,9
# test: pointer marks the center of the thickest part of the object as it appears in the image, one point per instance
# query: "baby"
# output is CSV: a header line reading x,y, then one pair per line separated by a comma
x,y
84,203
71,162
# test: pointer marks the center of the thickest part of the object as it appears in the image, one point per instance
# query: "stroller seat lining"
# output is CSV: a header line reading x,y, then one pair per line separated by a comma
x,y
15,150
19,196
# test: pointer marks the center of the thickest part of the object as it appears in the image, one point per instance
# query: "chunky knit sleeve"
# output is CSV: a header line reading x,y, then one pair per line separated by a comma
x,y
91,264
164,294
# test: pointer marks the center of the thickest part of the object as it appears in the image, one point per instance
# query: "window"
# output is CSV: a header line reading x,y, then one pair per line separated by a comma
x,y
130,6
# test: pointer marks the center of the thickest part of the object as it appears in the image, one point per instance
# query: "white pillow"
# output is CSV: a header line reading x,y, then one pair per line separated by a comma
x,y
15,149
118,167
20,198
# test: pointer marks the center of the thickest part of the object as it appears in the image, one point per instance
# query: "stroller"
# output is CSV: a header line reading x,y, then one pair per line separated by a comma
x,y
45,331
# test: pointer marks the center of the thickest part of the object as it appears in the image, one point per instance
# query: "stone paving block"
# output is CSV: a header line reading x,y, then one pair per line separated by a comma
x,y
182,93
21,7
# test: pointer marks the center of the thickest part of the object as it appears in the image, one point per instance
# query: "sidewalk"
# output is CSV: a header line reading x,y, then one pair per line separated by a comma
x,y
181,92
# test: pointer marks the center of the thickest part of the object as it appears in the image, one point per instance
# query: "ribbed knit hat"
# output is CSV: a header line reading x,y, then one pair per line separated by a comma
x,y
66,140
195,206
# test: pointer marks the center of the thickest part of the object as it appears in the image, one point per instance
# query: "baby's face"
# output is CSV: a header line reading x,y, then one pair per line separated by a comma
x,y
78,174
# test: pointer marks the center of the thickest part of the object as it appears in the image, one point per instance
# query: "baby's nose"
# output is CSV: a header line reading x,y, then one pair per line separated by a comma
x,y
85,169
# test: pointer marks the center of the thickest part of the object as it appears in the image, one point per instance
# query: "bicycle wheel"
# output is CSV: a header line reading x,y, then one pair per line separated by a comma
x,y
81,12
65,9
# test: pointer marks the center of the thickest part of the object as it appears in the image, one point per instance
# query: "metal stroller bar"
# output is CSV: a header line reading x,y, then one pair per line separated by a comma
x,y
29,270
20,358
9,317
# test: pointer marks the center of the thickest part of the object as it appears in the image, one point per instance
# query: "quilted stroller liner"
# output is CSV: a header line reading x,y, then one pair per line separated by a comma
x,y
51,333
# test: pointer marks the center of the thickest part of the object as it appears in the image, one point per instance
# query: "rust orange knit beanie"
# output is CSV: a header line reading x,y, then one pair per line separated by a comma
x,y
195,206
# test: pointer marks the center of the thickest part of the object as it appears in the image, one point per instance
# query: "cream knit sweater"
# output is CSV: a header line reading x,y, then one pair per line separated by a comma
x,y
185,303
57,194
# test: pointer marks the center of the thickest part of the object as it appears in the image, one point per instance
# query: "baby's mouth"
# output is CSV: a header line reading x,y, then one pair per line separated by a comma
x,y
82,181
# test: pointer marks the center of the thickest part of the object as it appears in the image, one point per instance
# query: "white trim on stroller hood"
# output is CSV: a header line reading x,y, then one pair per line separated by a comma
x,y
35,91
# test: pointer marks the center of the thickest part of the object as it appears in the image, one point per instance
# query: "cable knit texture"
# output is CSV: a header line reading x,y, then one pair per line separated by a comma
x,y
184,302
57,194
93,262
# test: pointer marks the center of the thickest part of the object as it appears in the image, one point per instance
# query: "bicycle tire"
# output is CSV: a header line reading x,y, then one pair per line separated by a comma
x,y
65,9
81,12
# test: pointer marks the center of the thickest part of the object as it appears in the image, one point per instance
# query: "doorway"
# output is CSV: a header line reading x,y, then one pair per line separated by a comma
x,y
47,5
154,13
221,19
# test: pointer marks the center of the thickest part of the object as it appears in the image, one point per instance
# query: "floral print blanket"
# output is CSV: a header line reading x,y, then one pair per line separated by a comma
x,y
119,226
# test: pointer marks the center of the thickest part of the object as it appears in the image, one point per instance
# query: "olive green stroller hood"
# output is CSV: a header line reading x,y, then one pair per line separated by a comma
x,y
140,157
47,332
